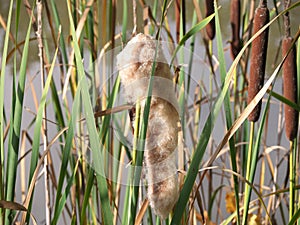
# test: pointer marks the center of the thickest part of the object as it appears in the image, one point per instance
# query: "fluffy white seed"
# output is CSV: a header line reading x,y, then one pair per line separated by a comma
x,y
135,65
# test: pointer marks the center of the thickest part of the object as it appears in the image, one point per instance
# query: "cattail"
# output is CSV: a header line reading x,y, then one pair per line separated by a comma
x,y
258,57
135,65
210,28
289,79
290,88
235,13
177,19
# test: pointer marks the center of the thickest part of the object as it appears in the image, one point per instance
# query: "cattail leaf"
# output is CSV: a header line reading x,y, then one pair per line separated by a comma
x,y
2,85
96,149
199,26
295,217
227,105
284,100
15,128
37,129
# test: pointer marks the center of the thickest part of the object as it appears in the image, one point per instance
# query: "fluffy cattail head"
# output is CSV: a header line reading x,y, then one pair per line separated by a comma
x,y
135,64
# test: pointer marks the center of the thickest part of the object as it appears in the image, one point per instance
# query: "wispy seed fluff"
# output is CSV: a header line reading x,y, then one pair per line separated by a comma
x,y
135,65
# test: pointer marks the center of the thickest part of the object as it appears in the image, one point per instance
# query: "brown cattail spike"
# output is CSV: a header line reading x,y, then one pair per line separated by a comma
x,y
290,88
258,58
235,12
177,19
210,28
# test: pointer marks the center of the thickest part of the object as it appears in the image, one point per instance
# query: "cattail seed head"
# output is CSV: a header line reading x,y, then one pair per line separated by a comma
x,y
210,28
290,88
235,13
135,64
258,59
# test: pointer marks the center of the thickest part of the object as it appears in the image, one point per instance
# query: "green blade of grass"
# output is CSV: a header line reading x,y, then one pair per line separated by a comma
x,y
154,14
182,82
66,155
63,198
295,217
94,138
107,118
199,26
15,128
61,40
125,18
2,97
254,158
87,193
212,200
38,126
227,106
192,48
284,100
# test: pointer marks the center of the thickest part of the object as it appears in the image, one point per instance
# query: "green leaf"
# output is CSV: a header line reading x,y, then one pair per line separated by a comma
x,y
96,149
15,128
199,26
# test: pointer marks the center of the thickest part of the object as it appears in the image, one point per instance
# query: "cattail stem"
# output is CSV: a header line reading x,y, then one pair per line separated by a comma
x,y
247,193
210,28
286,19
258,58
292,172
263,4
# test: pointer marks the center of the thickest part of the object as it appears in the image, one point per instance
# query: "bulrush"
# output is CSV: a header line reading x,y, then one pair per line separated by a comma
x,y
289,79
290,88
258,57
135,64
235,13
210,28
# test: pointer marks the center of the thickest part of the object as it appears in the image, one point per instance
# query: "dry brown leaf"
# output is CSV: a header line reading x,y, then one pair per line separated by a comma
x,y
141,213
12,205
16,206
207,219
230,202
254,219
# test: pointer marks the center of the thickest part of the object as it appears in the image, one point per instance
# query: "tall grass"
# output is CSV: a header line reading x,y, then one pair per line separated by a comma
x,y
65,134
